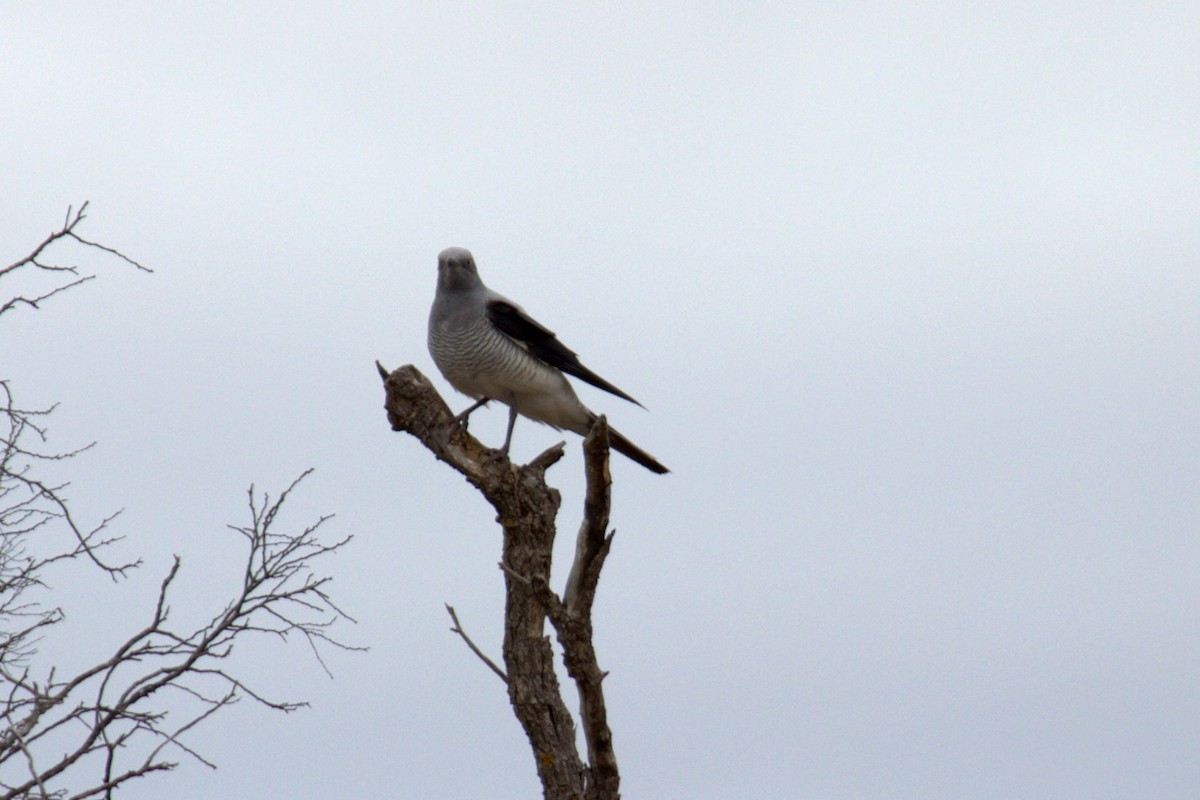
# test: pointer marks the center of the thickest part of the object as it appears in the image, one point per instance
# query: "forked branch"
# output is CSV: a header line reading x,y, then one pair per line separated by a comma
x,y
83,734
36,261
526,508
115,704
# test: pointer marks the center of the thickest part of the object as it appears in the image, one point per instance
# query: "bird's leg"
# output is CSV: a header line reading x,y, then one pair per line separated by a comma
x,y
461,419
512,420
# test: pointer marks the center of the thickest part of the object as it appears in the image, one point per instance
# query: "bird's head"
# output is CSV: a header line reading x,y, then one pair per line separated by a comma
x,y
456,270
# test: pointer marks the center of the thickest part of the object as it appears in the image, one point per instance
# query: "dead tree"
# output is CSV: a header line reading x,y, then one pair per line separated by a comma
x,y
526,508
85,733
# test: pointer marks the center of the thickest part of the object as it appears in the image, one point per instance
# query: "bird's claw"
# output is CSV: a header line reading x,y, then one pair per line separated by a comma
x,y
461,418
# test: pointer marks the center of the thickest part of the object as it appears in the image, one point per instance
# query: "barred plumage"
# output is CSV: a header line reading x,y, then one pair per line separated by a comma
x,y
487,347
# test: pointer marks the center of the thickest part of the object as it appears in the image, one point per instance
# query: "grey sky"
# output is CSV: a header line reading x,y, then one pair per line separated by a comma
x,y
909,290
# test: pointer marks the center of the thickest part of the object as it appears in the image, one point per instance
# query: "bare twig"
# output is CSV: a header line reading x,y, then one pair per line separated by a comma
x,y
474,649
33,770
85,735
33,502
34,261
280,596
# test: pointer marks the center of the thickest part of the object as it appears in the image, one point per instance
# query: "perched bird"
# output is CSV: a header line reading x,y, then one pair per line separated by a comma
x,y
488,348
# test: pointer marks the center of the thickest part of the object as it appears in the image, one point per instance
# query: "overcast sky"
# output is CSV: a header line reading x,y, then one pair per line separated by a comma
x,y
909,290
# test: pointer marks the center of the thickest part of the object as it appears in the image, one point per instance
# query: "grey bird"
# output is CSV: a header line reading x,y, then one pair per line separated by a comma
x,y
488,348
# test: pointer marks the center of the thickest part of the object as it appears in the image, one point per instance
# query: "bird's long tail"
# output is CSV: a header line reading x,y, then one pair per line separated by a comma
x,y
628,448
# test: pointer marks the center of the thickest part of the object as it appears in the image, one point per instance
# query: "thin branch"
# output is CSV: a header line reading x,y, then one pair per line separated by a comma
x,y
33,302
33,260
109,250
482,656
29,759
111,720
282,597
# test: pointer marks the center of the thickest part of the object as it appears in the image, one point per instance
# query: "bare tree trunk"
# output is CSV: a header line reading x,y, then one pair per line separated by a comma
x,y
526,508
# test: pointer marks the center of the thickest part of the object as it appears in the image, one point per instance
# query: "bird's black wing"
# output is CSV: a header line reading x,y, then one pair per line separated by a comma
x,y
511,320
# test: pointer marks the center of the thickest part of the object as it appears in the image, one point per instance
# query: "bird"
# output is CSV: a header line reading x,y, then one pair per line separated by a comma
x,y
489,348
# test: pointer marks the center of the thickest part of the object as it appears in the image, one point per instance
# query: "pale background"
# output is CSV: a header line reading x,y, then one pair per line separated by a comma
x,y
910,292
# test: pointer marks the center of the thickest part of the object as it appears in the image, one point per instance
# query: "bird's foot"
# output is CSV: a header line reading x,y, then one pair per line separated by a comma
x,y
461,417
